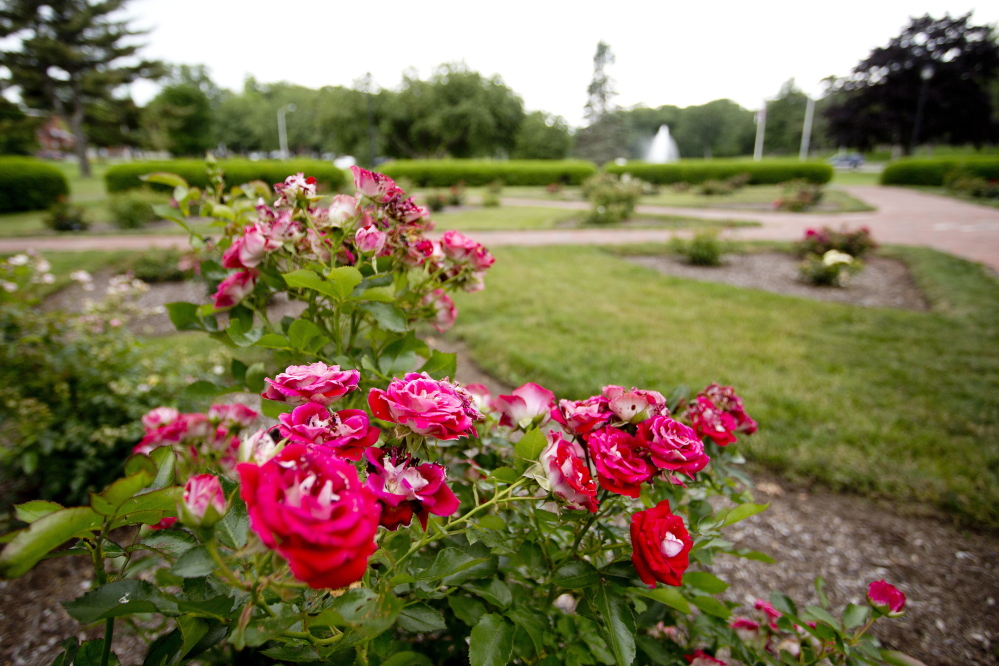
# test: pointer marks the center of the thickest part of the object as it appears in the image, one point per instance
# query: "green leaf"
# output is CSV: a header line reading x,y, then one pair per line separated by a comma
x,y
345,278
122,597
421,619
506,474
194,563
754,555
29,512
408,659
174,542
193,629
164,499
259,631
491,642
820,590
494,591
303,334
448,561
705,582
899,659
533,623
165,461
821,615
575,575
273,341
185,316
531,445
468,610
202,390
670,596
338,287
440,365
273,409
48,532
232,530
490,522
243,335
294,653
164,178
255,377
619,622
783,603
91,653
712,606
388,316
109,499
376,294
742,512
854,616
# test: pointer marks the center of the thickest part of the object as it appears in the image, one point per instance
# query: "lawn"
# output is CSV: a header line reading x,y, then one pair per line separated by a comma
x,y
880,402
526,217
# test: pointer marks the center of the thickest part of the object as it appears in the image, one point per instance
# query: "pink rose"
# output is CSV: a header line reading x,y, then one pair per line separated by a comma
x,y
342,210
617,457
234,415
311,508
408,212
673,446
376,186
204,501
183,428
347,432
660,545
702,658
583,416
369,240
160,416
405,488
318,244
294,188
726,399
885,598
529,406
420,251
283,229
482,399
709,421
747,630
249,250
235,288
258,448
426,406
457,246
482,259
635,405
445,311
317,382
768,609
567,473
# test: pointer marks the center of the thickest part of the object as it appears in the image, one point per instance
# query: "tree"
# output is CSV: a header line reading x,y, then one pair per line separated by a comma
x,y
70,53
720,128
946,66
786,120
607,135
179,119
601,89
17,130
542,136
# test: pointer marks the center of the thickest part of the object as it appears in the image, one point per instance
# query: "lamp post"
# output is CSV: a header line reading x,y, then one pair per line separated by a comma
x,y
806,131
282,130
925,74
761,128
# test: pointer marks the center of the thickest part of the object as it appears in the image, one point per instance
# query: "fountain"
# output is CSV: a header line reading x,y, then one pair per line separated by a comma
x,y
663,148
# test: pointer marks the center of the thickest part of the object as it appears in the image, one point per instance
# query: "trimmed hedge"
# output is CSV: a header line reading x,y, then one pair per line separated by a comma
x,y
445,173
29,184
932,172
698,171
124,177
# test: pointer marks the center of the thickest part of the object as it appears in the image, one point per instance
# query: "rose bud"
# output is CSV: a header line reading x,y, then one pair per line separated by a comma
x,y
258,448
342,209
232,415
529,406
567,473
235,288
204,501
702,658
444,310
885,598
369,240
660,545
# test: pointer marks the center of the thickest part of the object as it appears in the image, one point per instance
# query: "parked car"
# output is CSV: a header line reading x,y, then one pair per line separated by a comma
x,y
851,160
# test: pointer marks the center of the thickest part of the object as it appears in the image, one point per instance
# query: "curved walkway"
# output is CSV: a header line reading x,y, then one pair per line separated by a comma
x,y
903,216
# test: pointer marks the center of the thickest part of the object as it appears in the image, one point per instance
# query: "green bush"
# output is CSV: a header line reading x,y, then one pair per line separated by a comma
x,y
704,249
934,172
698,171
29,184
134,209
445,173
612,198
123,177
167,265
63,216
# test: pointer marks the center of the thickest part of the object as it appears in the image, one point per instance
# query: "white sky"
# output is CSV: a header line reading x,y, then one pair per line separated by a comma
x,y
678,53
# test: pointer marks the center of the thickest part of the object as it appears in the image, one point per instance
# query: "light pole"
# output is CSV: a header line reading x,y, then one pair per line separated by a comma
x,y
806,132
282,130
761,128
925,74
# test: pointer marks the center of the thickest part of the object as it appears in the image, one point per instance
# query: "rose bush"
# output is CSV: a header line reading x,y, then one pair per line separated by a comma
x,y
547,531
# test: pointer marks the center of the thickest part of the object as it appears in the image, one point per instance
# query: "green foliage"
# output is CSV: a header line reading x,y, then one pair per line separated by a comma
x,y
972,186
29,184
17,130
179,120
855,243
64,216
831,269
612,198
934,172
704,249
445,173
122,177
542,136
158,266
696,171
133,209
798,195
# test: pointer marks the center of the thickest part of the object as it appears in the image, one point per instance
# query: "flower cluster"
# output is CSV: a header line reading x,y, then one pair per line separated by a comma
x,y
199,439
20,272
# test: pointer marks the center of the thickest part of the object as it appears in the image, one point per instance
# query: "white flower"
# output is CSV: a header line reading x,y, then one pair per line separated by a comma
x,y
833,257
43,266
18,260
81,276
9,287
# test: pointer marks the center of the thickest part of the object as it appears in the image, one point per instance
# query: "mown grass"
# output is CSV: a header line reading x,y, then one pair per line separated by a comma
x,y
881,402
509,218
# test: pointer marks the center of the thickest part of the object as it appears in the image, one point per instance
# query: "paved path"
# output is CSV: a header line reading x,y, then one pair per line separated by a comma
x,y
903,216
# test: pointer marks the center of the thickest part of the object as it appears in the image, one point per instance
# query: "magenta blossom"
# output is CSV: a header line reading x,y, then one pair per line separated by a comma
x,y
709,421
482,399
672,446
346,432
568,476
295,188
636,405
445,311
426,406
726,399
619,461
885,598
204,501
529,406
376,186
369,240
183,428
234,415
160,416
405,488
457,246
768,609
235,288
746,629
316,382
249,250
583,416
702,658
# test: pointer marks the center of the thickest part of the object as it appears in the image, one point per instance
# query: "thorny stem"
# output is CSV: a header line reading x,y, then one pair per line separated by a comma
x,y
227,573
102,578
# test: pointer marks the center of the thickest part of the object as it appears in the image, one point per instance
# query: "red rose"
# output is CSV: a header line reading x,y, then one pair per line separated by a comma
x,y
348,432
310,507
886,598
620,467
660,545
673,446
709,421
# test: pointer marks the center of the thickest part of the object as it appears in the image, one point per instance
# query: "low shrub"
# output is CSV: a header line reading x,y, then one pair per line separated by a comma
x,y
698,171
704,249
934,172
64,216
29,184
491,199
798,196
456,195
168,265
831,269
134,209
715,187
612,198
963,183
680,186
436,202
475,173
123,177
855,243
554,189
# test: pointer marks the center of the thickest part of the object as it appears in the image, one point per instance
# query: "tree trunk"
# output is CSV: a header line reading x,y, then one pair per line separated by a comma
x,y
79,137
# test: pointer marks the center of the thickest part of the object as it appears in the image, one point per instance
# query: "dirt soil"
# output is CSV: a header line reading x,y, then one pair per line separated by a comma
x,y
951,578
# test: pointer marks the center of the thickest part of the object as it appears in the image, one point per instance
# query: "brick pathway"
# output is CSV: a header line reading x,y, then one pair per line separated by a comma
x,y
903,216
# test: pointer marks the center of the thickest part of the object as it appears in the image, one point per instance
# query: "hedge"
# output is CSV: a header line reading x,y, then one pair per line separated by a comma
x,y
698,171
124,177
444,173
29,184
932,172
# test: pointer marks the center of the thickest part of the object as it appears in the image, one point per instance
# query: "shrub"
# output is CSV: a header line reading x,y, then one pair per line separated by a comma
x,y
855,243
740,180
831,269
934,172
698,171
28,184
64,216
961,182
134,209
680,186
612,198
123,177
436,202
168,265
798,196
715,187
456,195
491,198
704,249
475,173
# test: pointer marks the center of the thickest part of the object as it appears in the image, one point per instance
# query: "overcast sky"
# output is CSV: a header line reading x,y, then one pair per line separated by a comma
x,y
678,53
